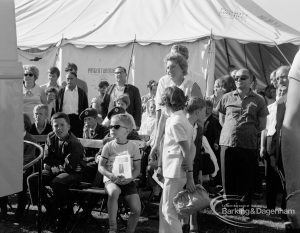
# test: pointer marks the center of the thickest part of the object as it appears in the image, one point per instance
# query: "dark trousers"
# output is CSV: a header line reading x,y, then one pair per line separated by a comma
x,y
237,169
274,183
59,183
76,125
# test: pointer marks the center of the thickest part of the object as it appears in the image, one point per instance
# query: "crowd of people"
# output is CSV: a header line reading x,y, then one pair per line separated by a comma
x,y
242,126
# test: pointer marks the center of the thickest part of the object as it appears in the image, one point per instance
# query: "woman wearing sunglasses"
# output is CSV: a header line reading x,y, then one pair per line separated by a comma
x,y
32,93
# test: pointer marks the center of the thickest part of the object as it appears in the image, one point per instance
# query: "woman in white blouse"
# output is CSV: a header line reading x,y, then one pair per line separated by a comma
x,y
32,93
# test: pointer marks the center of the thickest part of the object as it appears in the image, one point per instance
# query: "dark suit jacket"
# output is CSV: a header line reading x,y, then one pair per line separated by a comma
x,y
83,85
68,153
198,163
279,121
212,130
82,100
135,107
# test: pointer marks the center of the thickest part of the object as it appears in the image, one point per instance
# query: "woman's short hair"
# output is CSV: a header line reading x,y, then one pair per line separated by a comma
x,y
41,106
124,98
32,69
125,119
194,103
179,59
59,115
174,98
54,70
181,49
27,122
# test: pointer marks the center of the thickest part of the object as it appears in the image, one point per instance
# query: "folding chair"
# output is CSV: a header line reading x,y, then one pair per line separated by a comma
x,y
37,161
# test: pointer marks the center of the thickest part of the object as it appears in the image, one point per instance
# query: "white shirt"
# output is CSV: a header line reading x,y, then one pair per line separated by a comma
x,y
271,119
178,129
70,102
166,81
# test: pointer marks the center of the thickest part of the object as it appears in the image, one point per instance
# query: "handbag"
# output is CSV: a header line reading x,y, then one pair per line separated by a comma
x,y
187,203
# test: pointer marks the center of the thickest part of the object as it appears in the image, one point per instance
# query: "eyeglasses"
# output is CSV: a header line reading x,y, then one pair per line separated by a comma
x,y
241,78
116,127
28,74
68,70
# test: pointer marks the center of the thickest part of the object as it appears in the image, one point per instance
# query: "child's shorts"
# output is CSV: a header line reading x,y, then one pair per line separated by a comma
x,y
127,189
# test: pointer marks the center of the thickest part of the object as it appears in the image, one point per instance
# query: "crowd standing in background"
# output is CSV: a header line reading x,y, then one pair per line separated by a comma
x,y
241,125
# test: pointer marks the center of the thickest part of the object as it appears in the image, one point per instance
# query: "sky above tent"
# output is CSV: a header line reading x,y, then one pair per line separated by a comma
x,y
285,11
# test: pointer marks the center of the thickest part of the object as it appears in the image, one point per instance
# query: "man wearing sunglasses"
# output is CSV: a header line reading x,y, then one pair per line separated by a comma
x,y
72,67
243,115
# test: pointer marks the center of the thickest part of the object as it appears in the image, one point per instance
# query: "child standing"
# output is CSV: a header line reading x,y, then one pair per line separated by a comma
x,y
177,158
120,126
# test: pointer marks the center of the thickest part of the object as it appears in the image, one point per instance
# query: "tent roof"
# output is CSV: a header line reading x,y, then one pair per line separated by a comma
x,y
44,23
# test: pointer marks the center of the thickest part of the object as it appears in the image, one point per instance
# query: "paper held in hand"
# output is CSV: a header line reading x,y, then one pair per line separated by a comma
x,y
122,166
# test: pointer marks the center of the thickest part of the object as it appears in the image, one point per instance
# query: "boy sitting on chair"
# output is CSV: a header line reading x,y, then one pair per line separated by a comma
x,y
120,126
91,130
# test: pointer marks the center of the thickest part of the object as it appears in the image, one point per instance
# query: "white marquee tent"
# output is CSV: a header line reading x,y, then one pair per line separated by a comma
x,y
100,35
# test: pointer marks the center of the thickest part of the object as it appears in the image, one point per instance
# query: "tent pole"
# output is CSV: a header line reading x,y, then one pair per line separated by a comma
x,y
282,54
262,63
130,61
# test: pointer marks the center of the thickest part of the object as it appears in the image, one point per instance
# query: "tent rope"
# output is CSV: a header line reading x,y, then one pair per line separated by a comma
x,y
282,54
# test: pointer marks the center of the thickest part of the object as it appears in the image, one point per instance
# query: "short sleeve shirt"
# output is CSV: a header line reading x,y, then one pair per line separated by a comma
x,y
178,129
240,128
166,81
112,149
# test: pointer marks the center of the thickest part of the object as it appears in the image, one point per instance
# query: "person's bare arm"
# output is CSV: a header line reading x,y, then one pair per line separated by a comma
x,y
263,140
188,159
160,129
